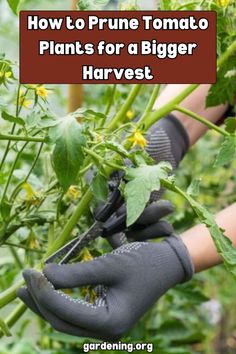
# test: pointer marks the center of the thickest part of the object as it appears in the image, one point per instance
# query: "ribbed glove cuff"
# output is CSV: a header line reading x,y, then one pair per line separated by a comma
x,y
183,255
168,141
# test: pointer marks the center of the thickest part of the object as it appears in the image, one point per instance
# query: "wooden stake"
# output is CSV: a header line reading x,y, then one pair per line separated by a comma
x,y
75,91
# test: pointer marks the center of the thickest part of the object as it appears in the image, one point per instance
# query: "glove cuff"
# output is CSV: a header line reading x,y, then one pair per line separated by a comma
x,y
183,255
168,141
179,137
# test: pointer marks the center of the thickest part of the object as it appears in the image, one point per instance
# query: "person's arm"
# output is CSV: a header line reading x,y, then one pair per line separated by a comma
x,y
200,244
196,103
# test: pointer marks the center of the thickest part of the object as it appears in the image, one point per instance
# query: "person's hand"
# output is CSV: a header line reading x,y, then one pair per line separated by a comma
x,y
113,215
148,226
134,277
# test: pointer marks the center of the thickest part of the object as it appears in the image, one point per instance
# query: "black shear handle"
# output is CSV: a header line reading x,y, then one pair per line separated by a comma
x,y
114,203
114,225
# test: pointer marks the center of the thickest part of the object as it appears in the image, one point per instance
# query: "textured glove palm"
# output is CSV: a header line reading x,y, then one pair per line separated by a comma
x,y
134,276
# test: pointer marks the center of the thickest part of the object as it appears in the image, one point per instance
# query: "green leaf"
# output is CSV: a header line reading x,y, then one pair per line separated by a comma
x,y
41,120
142,181
165,4
224,89
67,155
192,292
5,209
84,5
101,2
230,125
89,112
14,4
100,187
9,118
47,121
223,243
141,157
5,69
176,331
193,189
227,152
4,327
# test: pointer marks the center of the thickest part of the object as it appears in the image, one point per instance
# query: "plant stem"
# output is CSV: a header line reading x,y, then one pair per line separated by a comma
x,y
62,239
16,257
148,120
18,187
95,156
34,163
172,187
85,169
108,107
102,161
9,295
14,316
186,4
202,120
110,102
11,137
14,165
23,247
121,114
114,166
11,172
22,103
13,127
227,54
152,100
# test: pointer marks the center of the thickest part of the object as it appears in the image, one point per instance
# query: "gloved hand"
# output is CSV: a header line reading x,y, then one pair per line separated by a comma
x,y
167,141
135,276
148,226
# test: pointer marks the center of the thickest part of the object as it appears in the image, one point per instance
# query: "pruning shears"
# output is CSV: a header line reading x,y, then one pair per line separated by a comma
x,y
105,225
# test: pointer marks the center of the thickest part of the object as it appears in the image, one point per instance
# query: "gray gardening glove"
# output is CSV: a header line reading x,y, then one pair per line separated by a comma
x,y
148,226
168,141
135,276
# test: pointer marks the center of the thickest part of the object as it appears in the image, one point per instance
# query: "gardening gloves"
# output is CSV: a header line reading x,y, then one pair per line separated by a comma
x,y
148,226
133,278
167,141
127,281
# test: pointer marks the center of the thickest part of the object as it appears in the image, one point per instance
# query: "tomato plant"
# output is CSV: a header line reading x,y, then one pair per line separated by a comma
x,y
46,199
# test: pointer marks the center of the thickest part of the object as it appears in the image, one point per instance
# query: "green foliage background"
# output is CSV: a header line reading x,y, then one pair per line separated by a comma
x,y
198,317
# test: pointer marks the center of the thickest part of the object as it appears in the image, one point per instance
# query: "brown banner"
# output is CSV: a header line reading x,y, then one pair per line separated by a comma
x,y
80,47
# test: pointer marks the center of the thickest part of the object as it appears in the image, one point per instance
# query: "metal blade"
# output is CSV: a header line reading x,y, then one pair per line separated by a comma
x,y
76,245
94,231
62,251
